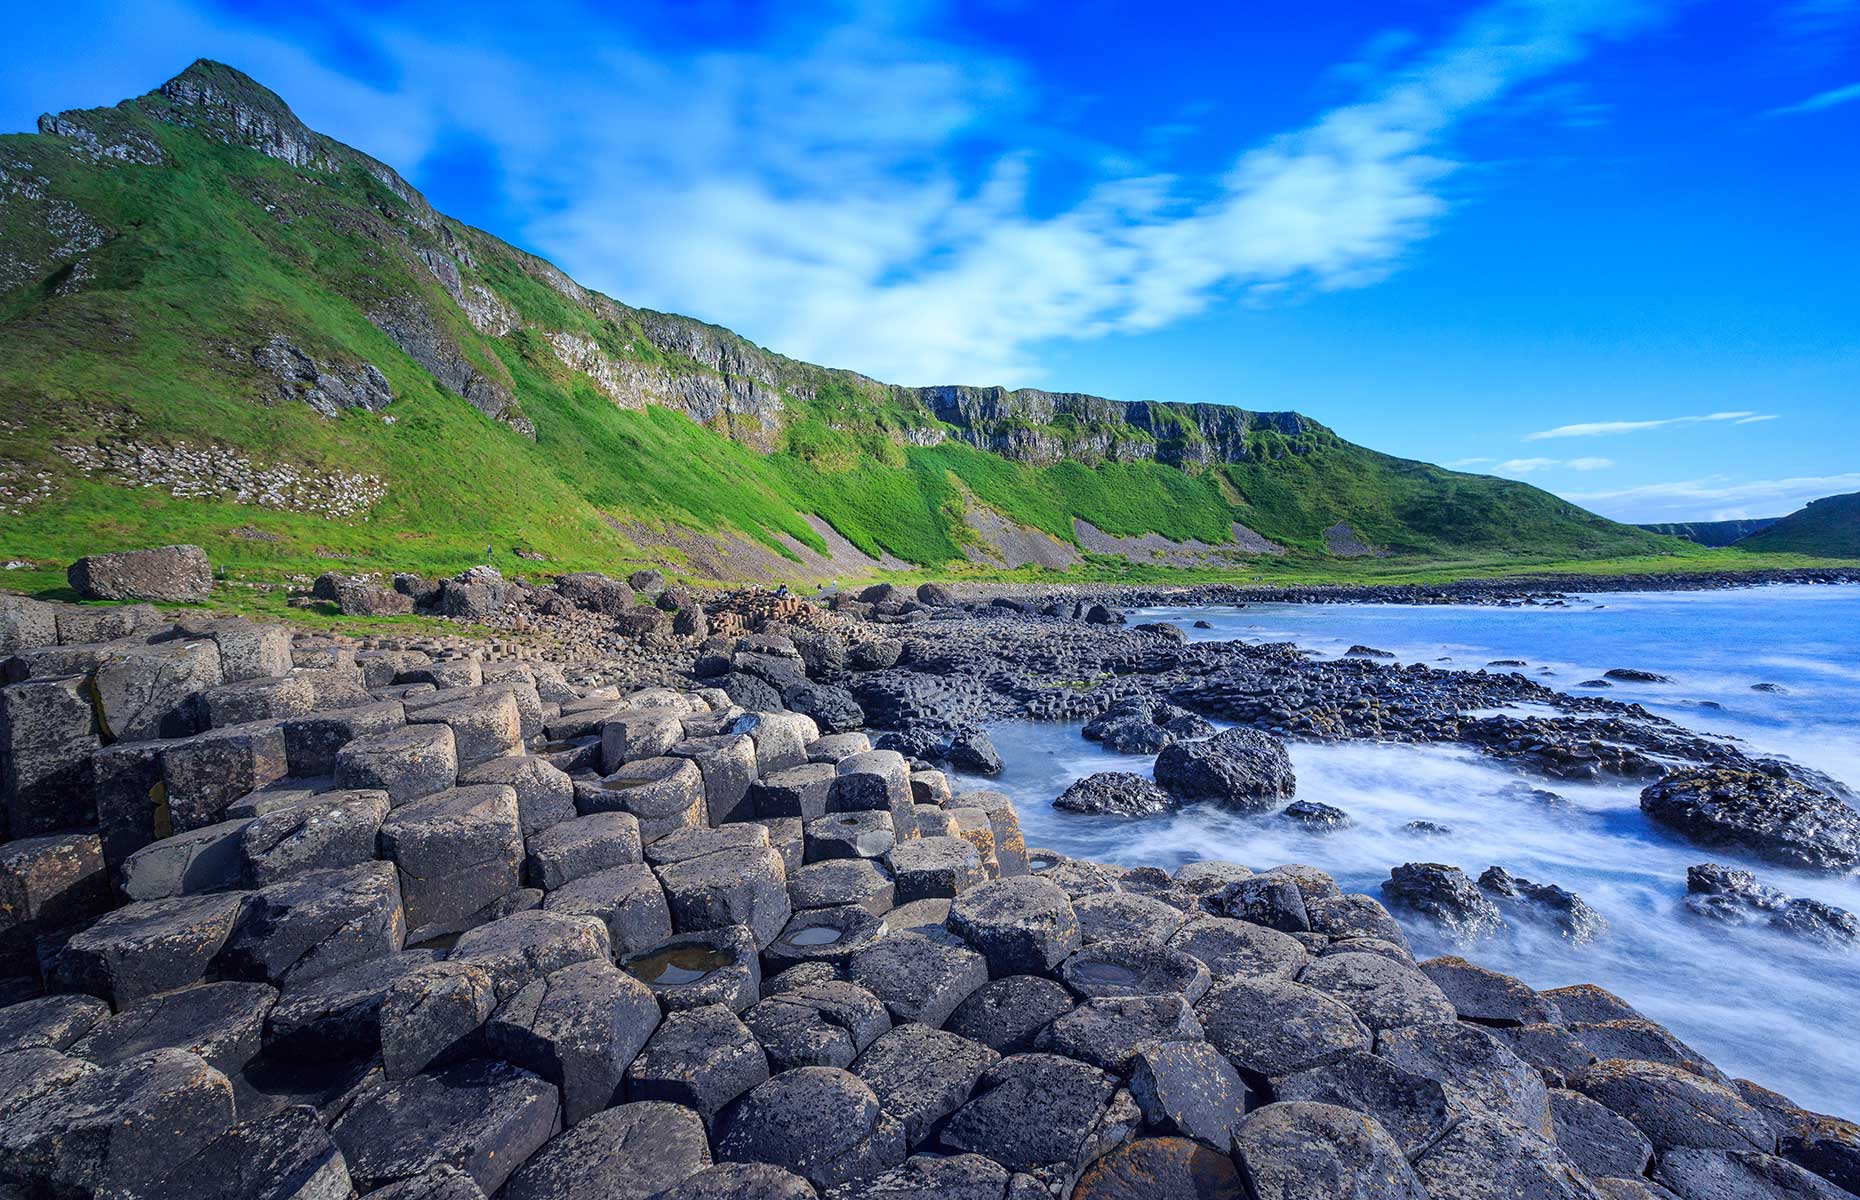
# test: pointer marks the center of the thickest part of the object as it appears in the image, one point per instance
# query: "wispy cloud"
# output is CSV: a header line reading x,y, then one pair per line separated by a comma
x,y
1610,428
1532,466
1715,498
1460,463
1590,464
1526,466
866,195
1831,98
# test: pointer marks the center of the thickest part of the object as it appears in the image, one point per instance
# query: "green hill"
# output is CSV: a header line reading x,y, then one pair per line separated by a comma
x,y
218,326
1828,528
1711,533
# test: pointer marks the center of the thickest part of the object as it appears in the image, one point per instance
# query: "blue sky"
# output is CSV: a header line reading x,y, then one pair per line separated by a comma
x,y
1610,248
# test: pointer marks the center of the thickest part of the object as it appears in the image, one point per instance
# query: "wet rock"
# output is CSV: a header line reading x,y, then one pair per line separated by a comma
x,y
1231,948
826,935
1486,1158
579,1028
919,978
1382,993
1735,896
632,1150
702,1058
1118,793
714,966
481,1116
1412,1108
1296,1149
1635,675
1487,997
1475,1068
1315,817
1597,1140
1773,817
1134,968
1164,1168
1444,895
1020,926
1564,911
1268,1027
1676,1109
1237,768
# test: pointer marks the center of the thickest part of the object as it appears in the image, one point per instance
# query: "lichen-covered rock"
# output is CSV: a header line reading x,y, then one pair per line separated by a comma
x,y
1775,817
168,574
1296,1149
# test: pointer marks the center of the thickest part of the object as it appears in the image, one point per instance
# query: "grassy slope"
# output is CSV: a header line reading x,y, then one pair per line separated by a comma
x,y
222,248
1829,526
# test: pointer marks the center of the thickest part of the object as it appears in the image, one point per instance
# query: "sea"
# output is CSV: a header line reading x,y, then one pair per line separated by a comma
x,y
1759,1003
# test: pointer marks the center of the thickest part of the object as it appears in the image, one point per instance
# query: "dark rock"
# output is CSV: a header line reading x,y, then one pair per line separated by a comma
x,y
1231,948
1635,675
408,764
338,1015
702,1058
826,935
1115,792
1008,1014
1773,817
632,1150
579,1028
1676,1109
921,1075
1108,1031
1273,901
1318,818
1444,895
482,1117
525,946
1188,1088
823,1024
456,851
1165,1168
1041,1114
1412,1108
1475,1068
838,881
145,948
627,899
1566,912
1021,926
1134,968
1598,1141
283,1156
1485,996
1485,1158
434,1015
919,978
1238,768
1297,1149
1111,916
223,1023
168,574
934,868
1268,1027
314,923
1382,993
49,1022
741,1181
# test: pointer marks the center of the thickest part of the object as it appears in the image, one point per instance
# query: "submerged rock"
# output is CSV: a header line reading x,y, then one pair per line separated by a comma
x,y
1443,895
1118,793
1569,914
1736,896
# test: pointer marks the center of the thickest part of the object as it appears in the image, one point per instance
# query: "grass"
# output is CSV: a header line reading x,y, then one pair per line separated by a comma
x,y
218,250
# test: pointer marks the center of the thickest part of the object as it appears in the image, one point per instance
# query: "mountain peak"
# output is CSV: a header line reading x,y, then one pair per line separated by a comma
x,y
242,111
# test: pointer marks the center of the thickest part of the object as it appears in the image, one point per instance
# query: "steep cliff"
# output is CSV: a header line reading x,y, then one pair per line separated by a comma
x,y
216,321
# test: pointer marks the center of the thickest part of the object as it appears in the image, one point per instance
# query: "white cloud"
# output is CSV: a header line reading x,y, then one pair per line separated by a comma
x,y
864,196
1610,428
1831,98
1590,464
1526,466
1460,463
1715,498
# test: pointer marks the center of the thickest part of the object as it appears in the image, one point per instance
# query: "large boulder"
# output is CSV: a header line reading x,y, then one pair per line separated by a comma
x,y
1117,793
1773,817
1242,769
169,574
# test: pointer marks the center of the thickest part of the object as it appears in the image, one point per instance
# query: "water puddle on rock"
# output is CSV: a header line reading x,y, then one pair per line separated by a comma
x,y
815,935
678,965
